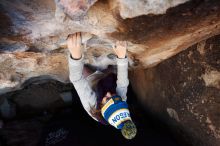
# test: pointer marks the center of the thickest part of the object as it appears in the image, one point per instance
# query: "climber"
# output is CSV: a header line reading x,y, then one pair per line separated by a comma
x,y
101,97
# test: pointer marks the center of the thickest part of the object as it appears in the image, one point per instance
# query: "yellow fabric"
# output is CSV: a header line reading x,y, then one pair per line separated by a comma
x,y
109,103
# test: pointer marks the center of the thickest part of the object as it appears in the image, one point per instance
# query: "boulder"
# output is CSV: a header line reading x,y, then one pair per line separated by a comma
x,y
184,92
38,30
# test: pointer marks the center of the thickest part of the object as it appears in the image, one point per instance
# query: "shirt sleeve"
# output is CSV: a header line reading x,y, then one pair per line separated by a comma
x,y
122,78
86,94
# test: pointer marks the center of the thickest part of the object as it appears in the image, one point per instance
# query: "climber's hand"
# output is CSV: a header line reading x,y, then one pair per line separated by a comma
x,y
74,45
120,49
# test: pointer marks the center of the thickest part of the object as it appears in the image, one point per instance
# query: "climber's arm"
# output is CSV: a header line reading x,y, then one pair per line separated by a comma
x,y
122,77
122,69
86,94
76,64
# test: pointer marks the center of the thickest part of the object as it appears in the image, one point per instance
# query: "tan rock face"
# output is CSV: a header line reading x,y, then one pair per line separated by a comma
x,y
212,79
18,68
42,27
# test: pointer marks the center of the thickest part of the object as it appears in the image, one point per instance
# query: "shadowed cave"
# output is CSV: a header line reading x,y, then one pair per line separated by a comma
x,y
70,125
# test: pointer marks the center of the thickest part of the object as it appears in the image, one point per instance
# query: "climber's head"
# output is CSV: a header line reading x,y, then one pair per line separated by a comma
x,y
106,98
115,112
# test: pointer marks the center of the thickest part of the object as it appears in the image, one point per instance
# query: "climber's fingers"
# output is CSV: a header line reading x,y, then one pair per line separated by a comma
x,y
121,43
74,40
70,43
79,38
74,45
120,49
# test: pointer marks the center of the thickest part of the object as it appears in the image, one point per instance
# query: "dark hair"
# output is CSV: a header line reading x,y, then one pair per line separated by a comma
x,y
107,84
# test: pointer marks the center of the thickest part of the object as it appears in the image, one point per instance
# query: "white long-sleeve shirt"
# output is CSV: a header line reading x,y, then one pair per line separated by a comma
x,y
86,94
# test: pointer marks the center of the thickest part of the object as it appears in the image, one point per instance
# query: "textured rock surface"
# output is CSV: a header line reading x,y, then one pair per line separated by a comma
x,y
76,9
134,8
185,88
18,68
41,27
